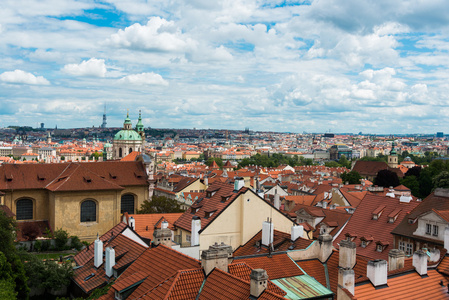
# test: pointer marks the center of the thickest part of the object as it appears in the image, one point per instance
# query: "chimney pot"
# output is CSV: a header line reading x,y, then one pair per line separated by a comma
x,y
347,256
196,227
267,233
217,256
110,261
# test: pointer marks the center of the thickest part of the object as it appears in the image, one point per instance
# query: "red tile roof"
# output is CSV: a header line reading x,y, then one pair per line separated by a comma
x,y
7,211
147,223
314,268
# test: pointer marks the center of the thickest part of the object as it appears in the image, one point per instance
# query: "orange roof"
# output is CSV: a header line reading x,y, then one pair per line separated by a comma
x,y
147,223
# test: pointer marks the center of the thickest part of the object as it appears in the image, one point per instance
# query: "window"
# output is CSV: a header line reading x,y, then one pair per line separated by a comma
x,y
188,238
120,152
127,204
88,211
428,229
409,249
401,246
24,209
130,150
435,230
379,248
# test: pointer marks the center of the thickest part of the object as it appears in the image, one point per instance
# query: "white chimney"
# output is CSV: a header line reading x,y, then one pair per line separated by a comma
x,y
258,282
164,225
277,201
267,233
297,232
446,238
324,204
420,262
346,280
434,255
196,227
110,261
206,181
238,183
347,257
377,271
98,252
132,223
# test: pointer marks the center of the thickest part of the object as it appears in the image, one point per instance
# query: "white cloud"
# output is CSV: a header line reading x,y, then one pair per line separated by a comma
x,y
19,76
157,35
92,67
145,79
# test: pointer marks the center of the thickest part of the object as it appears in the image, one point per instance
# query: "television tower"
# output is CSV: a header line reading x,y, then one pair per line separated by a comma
x,y
103,125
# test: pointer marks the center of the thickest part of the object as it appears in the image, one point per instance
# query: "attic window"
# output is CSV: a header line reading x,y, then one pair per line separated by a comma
x,y
393,215
8,177
209,214
379,248
224,198
378,212
40,177
113,176
137,175
87,179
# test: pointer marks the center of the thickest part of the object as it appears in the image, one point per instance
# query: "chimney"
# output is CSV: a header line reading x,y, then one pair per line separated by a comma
x,y
325,250
267,233
446,238
164,225
324,204
98,252
297,232
377,271
396,259
347,258
434,255
238,183
196,227
206,181
132,223
346,280
162,236
258,282
110,261
277,201
217,256
420,262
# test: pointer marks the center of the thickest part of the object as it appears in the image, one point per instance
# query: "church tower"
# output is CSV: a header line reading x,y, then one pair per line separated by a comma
x,y
139,127
393,157
127,140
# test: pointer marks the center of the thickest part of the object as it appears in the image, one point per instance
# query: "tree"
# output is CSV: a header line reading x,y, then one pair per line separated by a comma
x,y
386,178
332,164
218,160
352,177
413,184
160,204
415,171
344,162
7,247
7,284
441,180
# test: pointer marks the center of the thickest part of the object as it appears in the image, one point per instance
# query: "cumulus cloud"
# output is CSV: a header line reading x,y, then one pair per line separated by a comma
x,y
19,76
145,79
92,67
157,35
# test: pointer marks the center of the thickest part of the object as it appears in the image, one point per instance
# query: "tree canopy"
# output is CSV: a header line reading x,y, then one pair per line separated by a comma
x,y
352,177
386,178
160,204
275,160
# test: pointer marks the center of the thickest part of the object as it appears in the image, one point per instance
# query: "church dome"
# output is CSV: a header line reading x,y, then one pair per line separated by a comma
x,y
127,135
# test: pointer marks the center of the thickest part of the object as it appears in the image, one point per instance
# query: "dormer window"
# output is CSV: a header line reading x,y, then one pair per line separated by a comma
x,y
435,230
428,229
379,248
363,244
378,212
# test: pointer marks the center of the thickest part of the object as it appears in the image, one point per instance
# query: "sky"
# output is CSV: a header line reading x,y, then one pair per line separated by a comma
x,y
375,66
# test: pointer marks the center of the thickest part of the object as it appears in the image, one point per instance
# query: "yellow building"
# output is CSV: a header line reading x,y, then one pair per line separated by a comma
x,y
231,214
82,198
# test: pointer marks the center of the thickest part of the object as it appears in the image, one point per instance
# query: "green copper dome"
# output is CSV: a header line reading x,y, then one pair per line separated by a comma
x,y
127,120
127,135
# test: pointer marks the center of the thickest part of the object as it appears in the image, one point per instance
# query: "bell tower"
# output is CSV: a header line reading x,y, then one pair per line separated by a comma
x,y
393,157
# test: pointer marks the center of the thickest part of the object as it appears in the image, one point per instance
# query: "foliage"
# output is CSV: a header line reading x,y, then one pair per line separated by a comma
x,y
7,228
61,238
344,162
352,177
47,274
7,291
386,178
379,157
332,164
45,245
275,160
159,204
62,157
38,245
415,171
218,160
412,183
94,155
441,180
30,231
76,243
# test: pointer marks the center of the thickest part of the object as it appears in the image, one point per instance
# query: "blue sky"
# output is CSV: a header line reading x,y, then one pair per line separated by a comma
x,y
348,66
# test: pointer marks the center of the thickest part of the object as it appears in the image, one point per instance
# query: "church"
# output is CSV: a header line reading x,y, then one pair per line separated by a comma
x,y
128,140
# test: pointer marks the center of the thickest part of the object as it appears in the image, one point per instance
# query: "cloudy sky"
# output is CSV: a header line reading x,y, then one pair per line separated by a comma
x,y
377,66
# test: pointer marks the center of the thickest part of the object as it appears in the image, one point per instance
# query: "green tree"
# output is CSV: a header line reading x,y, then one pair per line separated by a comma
x,y
7,284
160,204
332,164
7,247
441,180
218,160
386,178
344,162
352,177
413,184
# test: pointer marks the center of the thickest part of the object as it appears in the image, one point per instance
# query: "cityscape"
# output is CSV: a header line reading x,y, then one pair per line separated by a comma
x,y
224,150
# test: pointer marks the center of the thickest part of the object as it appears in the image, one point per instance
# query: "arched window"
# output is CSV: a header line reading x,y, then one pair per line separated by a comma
x,y
127,204
24,209
130,150
120,153
88,211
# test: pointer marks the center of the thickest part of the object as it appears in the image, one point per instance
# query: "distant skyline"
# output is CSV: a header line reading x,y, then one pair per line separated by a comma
x,y
286,66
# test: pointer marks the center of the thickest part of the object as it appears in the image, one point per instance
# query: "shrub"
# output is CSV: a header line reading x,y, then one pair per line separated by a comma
x,y
45,245
61,238
30,231
38,246
76,243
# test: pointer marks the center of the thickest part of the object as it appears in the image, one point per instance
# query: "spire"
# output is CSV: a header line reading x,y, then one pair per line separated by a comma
x,y
127,125
139,126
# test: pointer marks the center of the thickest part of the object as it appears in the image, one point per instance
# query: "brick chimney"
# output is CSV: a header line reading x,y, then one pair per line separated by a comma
x,y
325,249
196,227
396,259
258,282
347,257
98,252
110,261
420,262
217,256
377,272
